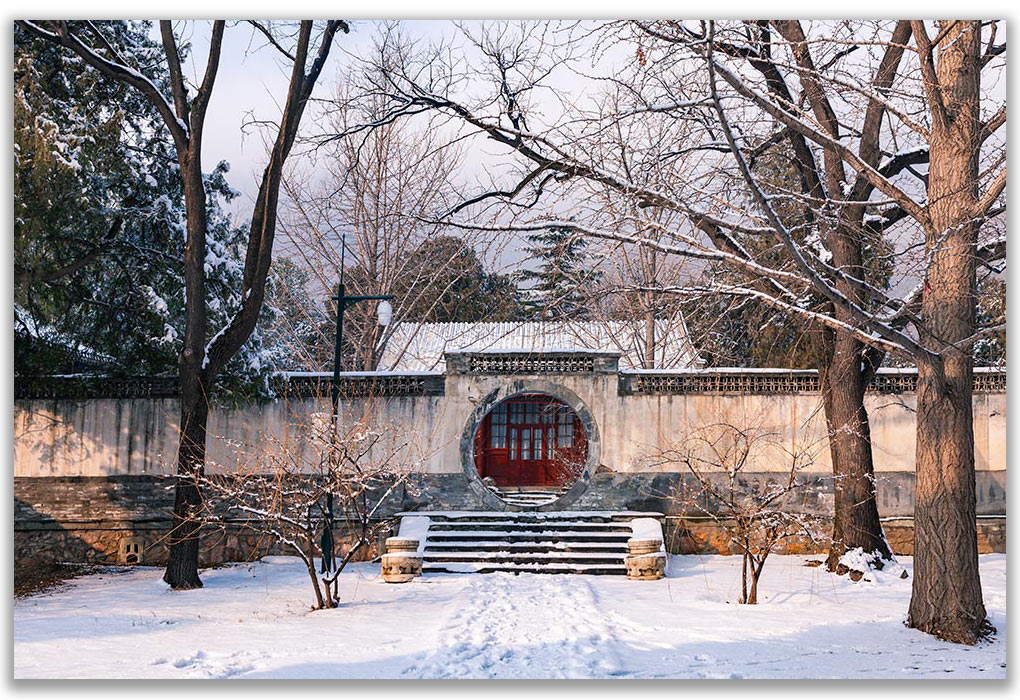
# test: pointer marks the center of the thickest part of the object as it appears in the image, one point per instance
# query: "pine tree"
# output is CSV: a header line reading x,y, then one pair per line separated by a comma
x,y
99,230
557,288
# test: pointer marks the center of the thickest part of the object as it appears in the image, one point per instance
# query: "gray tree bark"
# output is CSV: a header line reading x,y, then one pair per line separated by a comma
x,y
946,599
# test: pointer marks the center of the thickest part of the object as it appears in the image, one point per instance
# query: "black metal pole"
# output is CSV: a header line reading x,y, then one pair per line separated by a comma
x,y
326,542
341,304
342,301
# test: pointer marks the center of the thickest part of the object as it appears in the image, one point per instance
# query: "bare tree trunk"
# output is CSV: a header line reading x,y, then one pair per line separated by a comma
x,y
841,373
182,565
946,598
649,338
743,577
752,595
855,517
320,602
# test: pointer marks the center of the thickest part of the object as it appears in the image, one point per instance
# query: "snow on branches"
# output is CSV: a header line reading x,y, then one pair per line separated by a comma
x,y
318,491
724,461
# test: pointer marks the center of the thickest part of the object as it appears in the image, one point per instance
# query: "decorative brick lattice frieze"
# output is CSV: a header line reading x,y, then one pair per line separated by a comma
x,y
728,383
418,384
363,386
351,386
780,382
82,388
990,382
529,364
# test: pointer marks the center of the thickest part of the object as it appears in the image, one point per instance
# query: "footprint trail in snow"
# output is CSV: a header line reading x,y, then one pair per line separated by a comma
x,y
525,626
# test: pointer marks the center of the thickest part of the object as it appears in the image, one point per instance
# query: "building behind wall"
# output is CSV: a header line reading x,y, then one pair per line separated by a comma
x,y
92,457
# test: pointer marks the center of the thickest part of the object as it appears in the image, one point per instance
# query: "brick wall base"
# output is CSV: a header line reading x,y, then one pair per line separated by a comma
x,y
685,536
122,544
109,520
111,544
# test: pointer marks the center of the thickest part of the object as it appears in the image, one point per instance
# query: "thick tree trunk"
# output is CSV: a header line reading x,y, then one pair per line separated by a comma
x,y
946,599
855,517
843,382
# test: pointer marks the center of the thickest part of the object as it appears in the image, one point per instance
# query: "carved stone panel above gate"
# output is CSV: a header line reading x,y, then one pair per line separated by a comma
x,y
525,362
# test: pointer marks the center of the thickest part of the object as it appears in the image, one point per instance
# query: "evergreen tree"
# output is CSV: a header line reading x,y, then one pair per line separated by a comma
x,y
454,287
557,288
99,228
990,350
462,291
94,212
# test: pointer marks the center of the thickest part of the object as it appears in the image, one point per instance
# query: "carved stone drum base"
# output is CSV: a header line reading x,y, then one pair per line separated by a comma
x,y
636,546
402,561
400,567
646,567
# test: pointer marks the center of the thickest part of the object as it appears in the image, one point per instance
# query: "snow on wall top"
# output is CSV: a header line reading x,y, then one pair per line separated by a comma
x,y
417,346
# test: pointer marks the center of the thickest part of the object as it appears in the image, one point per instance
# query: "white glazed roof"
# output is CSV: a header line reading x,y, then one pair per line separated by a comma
x,y
415,346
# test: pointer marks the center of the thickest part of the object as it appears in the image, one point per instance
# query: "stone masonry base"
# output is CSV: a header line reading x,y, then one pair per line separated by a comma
x,y
686,536
112,545
125,519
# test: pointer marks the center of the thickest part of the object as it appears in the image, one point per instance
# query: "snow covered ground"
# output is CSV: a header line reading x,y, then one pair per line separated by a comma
x,y
254,621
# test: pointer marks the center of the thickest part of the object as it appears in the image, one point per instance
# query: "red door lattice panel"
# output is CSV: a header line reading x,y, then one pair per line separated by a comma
x,y
531,440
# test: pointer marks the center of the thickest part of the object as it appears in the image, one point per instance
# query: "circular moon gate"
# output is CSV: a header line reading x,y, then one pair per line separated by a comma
x,y
531,439
524,387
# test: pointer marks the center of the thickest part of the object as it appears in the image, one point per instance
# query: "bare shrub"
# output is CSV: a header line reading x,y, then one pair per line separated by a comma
x,y
323,474
756,517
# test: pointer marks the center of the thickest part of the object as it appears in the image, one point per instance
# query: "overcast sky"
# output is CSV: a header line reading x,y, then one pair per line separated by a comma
x,y
251,83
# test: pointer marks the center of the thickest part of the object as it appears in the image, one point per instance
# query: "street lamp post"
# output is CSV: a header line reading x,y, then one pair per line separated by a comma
x,y
384,313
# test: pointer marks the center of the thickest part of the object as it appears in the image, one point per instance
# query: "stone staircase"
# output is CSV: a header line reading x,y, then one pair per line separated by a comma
x,y
527,496
566,542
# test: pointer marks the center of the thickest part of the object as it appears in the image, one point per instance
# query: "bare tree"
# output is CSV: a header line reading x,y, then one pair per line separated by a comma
x,y
945,529
714,96
184,111
628,289
757,518
317,490
365,214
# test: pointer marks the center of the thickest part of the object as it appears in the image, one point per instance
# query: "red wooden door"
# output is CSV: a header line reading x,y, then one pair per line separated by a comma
x,y
531,440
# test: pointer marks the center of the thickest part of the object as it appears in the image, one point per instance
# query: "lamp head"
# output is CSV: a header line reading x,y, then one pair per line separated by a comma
x,y
385,313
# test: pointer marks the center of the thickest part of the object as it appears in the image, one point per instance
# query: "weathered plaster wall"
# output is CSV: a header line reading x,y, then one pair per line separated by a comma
x,y
89,474
102,437
107,437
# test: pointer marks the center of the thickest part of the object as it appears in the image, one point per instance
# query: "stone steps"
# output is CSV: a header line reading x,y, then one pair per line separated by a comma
x,y
523,536
547,568
527,496
525,557
524,526
577,542
528,547
595,516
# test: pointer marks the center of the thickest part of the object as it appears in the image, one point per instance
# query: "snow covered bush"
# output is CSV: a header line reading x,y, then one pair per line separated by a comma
x,y
323,476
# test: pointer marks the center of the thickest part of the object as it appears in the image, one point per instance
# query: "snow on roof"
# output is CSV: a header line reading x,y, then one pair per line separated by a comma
x,y
415,346
45,333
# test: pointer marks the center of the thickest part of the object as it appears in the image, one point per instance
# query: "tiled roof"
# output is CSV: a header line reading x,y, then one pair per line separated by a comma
x,y
416,346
